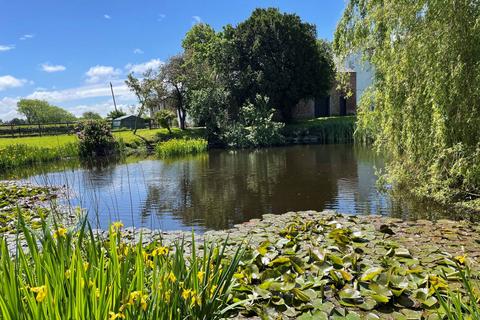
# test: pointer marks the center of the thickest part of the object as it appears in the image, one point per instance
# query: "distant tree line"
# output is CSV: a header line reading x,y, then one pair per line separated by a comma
x,y
41,112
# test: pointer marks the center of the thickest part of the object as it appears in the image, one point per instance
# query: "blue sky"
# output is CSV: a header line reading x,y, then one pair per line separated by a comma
x,y
67,51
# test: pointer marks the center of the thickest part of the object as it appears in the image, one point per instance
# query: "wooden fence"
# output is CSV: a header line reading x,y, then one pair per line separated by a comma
x,y
25,130
17,130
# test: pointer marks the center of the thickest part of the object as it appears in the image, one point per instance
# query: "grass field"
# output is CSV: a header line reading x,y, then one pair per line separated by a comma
x,y
61,140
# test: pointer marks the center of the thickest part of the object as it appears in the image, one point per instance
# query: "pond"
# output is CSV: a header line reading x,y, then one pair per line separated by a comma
x,y
221,188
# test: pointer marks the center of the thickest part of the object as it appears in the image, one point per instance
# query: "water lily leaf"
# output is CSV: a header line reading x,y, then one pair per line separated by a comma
x,y
368,304
352,315
276,300
291,312
287,286
380,298
402,252
346,276
411,314
379,289
300,295
430,302
340,236
280,261
259,292
349,293
281,243
317,255
263,248
371,273
336,260
306,316
319,315
269,274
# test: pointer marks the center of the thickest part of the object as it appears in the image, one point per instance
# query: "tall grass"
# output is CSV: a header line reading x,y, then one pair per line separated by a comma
x,y
17,155
326,130
71,275
180,147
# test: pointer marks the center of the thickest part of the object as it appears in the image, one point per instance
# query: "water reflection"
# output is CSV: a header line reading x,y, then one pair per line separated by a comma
x,y
218,189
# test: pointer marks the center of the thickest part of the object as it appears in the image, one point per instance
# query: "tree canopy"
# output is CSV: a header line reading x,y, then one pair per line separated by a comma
x,y
276,55
90,115
40,111
423,108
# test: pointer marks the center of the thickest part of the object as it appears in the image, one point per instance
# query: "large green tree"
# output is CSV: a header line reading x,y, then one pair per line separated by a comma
x,y
423,108
40,111
276,55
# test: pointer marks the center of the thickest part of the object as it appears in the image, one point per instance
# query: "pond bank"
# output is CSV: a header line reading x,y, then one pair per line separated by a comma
x,y
25,151
322,265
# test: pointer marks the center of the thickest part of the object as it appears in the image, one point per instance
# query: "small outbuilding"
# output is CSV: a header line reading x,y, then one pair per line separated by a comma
x,y
129,122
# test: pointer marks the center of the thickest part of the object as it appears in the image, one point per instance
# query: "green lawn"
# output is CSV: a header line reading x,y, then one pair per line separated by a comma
x,y
60,140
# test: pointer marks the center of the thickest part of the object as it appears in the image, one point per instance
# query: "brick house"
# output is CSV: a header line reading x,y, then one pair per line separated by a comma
x,y
335,104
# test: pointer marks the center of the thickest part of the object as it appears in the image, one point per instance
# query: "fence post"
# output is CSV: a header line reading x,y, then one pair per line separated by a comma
x,y
39,129
13,132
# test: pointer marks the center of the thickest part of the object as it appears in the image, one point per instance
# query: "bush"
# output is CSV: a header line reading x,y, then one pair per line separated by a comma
x,y
255,127
165,118
181,147
95,138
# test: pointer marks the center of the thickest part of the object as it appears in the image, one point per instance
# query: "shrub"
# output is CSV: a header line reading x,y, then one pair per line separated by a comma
x,y
73,275
164,118
95,138
255,127
180,147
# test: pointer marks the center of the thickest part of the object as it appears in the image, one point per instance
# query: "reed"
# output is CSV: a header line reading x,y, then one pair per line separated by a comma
x,y
463,302
326,130
180,147
68,274
17,155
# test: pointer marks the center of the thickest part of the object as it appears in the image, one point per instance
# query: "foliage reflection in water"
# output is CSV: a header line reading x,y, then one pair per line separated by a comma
x,y
220,188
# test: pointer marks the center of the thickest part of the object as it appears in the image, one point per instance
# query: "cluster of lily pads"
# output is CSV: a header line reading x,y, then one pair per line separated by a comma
x,y
337,267
32,201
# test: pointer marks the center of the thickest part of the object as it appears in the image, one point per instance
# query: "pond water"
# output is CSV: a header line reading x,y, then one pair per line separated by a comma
x,y
220,188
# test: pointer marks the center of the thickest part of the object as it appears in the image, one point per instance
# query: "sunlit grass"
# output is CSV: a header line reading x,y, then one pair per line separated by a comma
x,y
59,140
180,147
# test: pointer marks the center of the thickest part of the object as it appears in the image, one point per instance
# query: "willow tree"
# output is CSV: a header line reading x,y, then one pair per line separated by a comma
x,y
424,105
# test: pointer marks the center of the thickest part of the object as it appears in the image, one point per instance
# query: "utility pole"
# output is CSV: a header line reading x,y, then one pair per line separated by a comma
x,y
113,97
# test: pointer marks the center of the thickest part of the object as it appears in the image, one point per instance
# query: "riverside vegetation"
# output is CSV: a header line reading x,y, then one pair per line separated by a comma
x,y
423,108
305,265
18,152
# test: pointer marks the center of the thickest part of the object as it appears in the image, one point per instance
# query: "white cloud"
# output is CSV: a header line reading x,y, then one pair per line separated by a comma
x,y
161,17
8,108
101,73
138,51
143,67
106,16
121,90
6,47
196,19
9,81
76,100
52,68
101,107
27,36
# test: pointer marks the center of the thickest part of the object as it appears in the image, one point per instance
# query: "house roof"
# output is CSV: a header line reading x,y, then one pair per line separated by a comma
x,y
125,117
